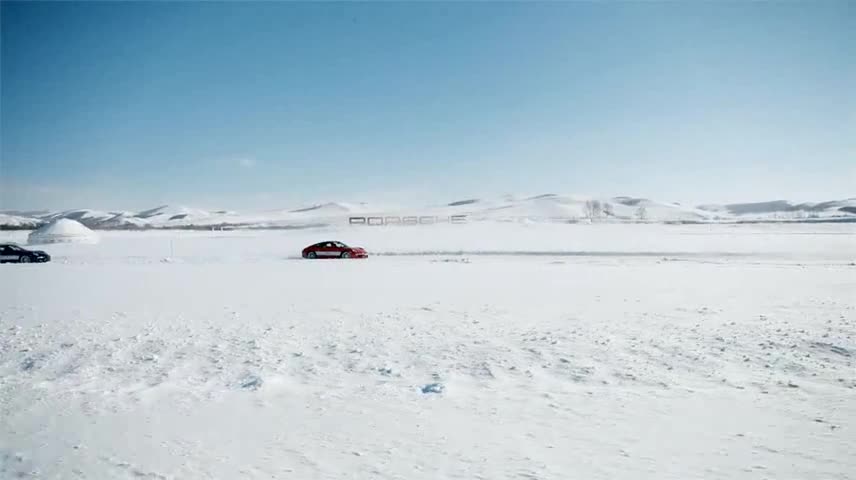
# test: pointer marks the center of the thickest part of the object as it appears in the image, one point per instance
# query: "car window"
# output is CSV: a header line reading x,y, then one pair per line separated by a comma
x,y
12,248
341,245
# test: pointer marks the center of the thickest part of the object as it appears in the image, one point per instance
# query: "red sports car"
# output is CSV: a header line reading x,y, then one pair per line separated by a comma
x,y
333,250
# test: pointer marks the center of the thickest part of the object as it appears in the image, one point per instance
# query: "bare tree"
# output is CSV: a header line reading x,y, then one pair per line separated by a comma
x,y
598,209
588,210
593,209
641,213
607,209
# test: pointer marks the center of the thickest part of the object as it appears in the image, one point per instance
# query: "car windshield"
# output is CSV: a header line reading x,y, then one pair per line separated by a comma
x,y
14,248
340,244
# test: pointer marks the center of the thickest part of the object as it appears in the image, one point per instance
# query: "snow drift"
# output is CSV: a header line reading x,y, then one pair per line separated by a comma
x,y
63,230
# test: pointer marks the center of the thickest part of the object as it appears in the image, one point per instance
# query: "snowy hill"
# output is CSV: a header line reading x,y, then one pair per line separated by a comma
x,y
783,209
549,207
89,218
124,220
177,214
17,221
331,208
571,208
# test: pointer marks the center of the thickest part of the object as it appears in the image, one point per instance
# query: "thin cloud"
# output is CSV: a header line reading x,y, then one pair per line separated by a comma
x,y
247,162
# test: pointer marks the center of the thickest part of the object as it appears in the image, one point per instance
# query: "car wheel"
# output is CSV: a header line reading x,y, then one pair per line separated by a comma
x,y
346,254
311,255
23,259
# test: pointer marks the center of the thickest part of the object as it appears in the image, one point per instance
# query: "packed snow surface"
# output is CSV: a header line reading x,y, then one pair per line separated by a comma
x,y
473,351
62,230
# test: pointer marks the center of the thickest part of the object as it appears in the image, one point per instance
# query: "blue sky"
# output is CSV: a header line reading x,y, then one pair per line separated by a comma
x,y
254,105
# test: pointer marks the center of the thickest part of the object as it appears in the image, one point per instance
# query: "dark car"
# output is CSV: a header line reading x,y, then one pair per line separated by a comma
x,y
333,249
16,254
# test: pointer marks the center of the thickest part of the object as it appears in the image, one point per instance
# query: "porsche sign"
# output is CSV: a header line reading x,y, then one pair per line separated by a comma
x,y
407,220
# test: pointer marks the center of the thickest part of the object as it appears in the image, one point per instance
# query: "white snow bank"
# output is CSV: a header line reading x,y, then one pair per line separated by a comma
x,y
63,230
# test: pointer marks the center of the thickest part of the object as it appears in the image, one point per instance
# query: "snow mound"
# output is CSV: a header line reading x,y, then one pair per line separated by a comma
x,y
63,230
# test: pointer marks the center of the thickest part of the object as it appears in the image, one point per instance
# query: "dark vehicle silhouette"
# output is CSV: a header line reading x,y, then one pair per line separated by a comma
x,y
10,253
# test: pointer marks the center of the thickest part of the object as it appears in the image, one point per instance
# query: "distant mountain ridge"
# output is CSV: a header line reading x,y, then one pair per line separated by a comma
x,y
782,206
548,207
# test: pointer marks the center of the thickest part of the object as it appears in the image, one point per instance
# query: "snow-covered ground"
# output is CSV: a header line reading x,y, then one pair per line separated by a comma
x,y
457,351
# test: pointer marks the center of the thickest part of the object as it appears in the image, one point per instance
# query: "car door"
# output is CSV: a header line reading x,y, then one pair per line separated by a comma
x,y
324,249
329,249
8,254
340,248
